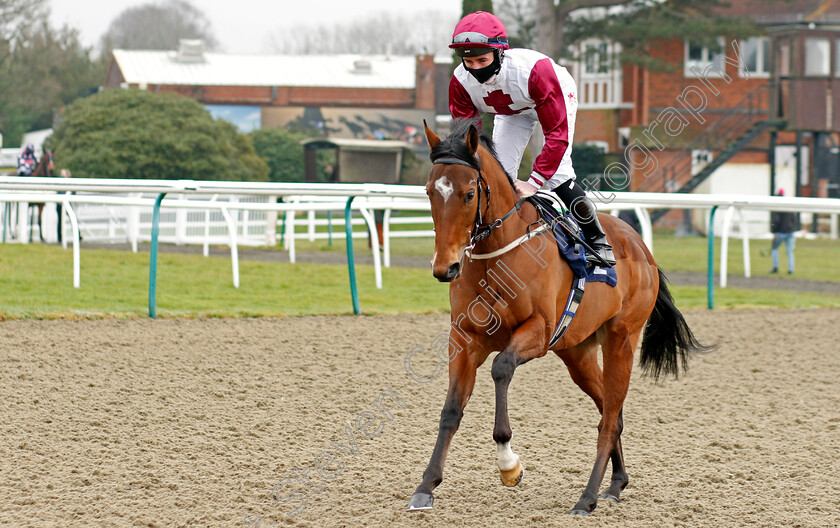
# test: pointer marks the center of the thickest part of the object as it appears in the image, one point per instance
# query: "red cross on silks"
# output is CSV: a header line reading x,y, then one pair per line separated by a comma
x,y
500,101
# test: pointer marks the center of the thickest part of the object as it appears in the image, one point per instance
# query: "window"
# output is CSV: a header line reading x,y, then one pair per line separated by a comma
x,y
596,58
817,52
756,54
698,58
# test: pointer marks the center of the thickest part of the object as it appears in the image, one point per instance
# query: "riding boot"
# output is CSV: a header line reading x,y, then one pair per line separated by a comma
x,y
586,215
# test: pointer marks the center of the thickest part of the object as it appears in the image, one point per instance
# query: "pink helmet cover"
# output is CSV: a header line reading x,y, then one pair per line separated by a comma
x,y
480,30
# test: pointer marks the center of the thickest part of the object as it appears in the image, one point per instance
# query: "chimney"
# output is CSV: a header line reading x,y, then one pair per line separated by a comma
x,y
362,66
424,82
190,50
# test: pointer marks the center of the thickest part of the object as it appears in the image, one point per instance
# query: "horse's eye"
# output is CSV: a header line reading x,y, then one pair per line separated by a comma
x,y
470,195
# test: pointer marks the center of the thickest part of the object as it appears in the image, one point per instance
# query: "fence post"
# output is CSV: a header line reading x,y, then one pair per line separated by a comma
x,y
180,224
351,262
710,279
271,224
153,257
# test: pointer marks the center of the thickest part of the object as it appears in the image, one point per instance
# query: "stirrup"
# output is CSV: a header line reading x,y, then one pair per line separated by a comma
x,y
602,253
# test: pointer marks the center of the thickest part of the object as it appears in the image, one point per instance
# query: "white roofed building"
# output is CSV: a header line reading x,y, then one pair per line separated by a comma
x,y
346,95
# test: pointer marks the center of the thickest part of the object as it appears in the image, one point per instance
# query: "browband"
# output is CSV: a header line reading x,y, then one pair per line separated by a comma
x,y
454,161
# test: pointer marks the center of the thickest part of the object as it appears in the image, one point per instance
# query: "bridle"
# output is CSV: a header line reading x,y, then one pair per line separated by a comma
x,y
480,231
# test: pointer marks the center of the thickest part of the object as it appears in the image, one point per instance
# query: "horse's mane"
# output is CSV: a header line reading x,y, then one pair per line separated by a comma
x,y
455,146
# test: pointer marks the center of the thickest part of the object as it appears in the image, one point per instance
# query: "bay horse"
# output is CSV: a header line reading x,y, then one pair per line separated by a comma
x,y
45,168
476,214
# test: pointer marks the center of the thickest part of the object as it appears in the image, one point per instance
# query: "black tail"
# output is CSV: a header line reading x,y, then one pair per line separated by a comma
x,y
668,341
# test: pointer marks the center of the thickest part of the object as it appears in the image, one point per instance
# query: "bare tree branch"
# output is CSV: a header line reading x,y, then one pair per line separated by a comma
x,y
158,26
568,7
425,32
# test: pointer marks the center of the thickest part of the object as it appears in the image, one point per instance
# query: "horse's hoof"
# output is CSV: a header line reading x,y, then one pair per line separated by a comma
x,y
420,501
609,497
579,513
512,477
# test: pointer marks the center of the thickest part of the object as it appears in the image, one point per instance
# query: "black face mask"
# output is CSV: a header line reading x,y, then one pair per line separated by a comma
x,y
482,75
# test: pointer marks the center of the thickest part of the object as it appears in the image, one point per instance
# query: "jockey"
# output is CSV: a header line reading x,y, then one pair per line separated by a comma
x,y
27,162
523,87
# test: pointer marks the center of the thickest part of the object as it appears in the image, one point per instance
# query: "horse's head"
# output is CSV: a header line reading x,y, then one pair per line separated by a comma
x,y
455,191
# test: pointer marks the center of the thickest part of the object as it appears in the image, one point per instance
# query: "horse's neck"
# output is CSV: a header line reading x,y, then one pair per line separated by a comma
x,y
502,199
502,195
42,168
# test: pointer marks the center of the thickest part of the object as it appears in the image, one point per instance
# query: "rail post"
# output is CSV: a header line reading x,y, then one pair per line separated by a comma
x,y
153,257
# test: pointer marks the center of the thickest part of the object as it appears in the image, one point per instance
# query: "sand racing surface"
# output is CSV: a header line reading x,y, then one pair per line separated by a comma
x,y
199,422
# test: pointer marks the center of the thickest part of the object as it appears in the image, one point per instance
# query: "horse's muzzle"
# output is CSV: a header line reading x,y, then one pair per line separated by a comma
x,y
450,274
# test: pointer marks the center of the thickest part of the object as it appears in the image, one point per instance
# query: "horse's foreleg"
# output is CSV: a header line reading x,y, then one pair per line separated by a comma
x,y
526,344
461,382
618,363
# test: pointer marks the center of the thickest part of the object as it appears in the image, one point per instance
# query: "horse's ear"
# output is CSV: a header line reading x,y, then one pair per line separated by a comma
x,y
431,137
472,140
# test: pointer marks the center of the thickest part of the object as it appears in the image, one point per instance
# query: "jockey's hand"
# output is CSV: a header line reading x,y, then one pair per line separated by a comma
x,y
524,189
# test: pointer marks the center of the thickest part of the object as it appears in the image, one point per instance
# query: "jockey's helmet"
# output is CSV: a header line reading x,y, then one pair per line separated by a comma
x,y
479,33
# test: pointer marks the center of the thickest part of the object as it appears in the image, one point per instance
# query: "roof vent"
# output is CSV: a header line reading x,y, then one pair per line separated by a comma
x,y
190,50
362,66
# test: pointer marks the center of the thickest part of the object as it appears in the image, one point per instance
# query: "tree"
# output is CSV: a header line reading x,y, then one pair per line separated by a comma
x,y
16,15
44,69
158,27
282,151
520,18
137,134
638,25
384,33
471,6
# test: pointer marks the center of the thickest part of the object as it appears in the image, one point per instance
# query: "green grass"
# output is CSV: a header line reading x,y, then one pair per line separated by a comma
x,y
815,259
695,297
36,282
406,247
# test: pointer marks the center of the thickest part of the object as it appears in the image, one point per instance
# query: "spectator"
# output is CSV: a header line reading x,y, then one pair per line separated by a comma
x,y
27,161
784,227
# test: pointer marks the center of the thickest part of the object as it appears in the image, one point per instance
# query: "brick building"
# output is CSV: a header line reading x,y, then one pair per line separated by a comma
x,y
344,95
743,98
745,116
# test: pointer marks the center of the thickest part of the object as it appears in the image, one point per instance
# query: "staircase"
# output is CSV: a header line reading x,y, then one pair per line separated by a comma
x,y
727,135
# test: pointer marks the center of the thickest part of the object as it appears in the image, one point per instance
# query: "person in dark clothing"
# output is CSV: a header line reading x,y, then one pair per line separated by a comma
x,y
783,226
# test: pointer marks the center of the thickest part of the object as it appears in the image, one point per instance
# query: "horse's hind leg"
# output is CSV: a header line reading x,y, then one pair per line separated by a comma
x,y
527,343
582,362
619,476
618,349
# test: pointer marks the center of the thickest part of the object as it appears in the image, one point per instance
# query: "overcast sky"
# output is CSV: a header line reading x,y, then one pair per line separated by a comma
x,y
243,26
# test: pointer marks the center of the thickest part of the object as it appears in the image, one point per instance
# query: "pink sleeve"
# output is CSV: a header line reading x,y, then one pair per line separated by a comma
x,y
544,89
460,104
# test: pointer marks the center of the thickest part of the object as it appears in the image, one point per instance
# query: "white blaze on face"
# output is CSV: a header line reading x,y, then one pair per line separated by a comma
x,y
444,187
507,458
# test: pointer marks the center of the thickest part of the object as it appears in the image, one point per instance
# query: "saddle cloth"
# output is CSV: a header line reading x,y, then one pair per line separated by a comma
x,y
567,234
